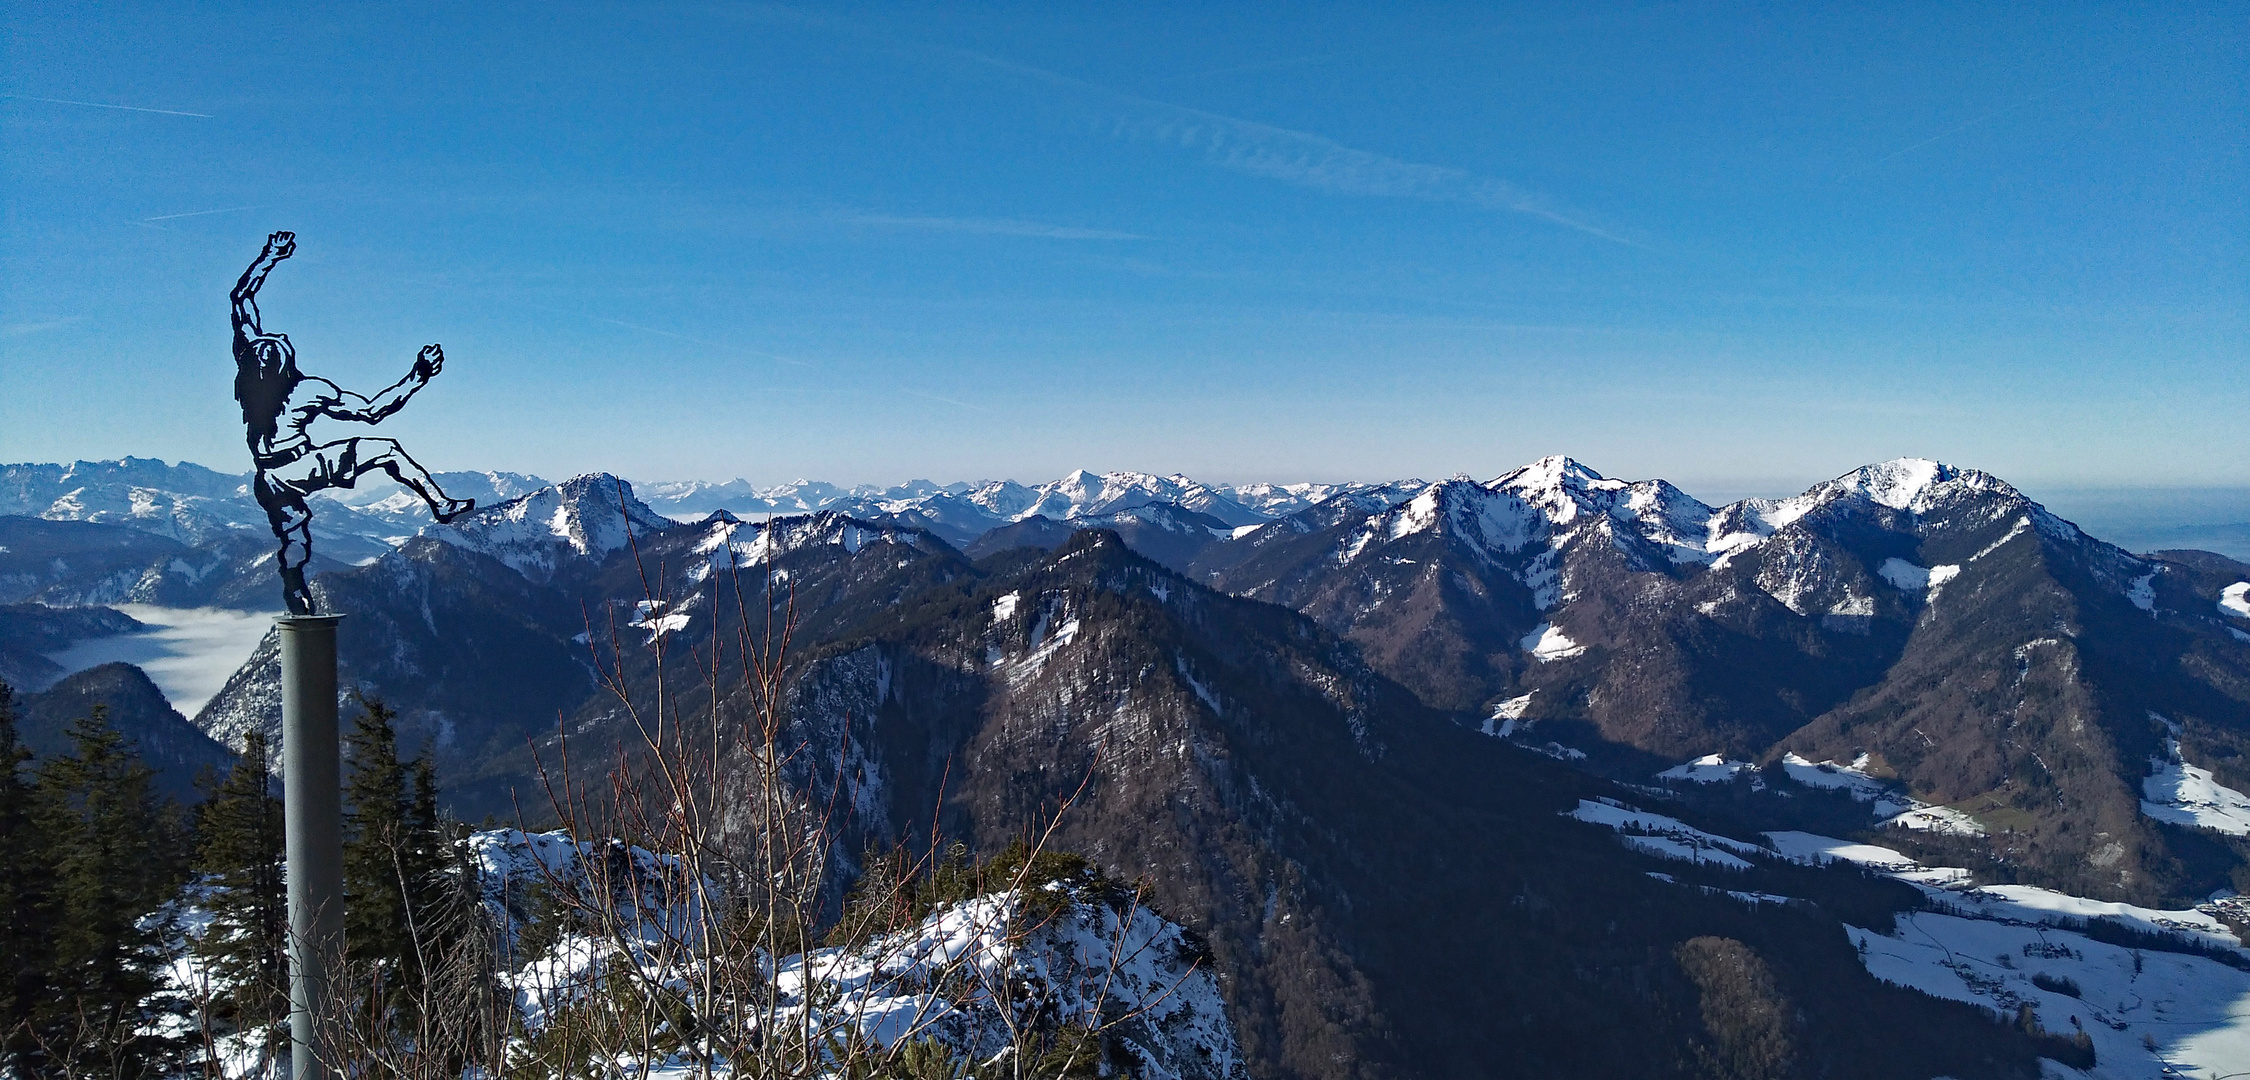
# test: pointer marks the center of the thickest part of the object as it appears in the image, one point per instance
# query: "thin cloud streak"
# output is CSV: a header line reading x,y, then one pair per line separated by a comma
x,y
1993,115
697,341
645,329
993,227
676,336
201,213
1295,157
100,105
1239,69
1302,157
25,328
946,400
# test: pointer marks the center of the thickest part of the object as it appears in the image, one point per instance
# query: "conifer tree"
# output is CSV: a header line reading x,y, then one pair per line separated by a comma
x,y
240,855
375,797
426,857
26,962
395,858
113,868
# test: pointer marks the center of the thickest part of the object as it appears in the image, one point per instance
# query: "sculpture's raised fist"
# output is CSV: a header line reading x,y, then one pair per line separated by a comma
x,y
281,245
430,361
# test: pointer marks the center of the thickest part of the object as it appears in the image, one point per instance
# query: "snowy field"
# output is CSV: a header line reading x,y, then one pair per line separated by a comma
x,y
2152,1015
187,652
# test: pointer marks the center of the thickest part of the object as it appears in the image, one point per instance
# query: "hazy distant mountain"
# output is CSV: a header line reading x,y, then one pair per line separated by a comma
x,y
86,562
961,512
406,512
1166,532
184,502
28,632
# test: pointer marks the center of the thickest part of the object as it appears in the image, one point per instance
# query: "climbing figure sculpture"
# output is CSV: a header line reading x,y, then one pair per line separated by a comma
x,y
279,403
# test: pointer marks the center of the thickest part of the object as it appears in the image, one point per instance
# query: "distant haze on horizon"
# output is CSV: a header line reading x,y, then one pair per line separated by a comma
x,y
1743,251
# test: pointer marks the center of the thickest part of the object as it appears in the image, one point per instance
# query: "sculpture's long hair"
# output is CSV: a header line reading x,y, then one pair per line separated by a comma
x,y
265,372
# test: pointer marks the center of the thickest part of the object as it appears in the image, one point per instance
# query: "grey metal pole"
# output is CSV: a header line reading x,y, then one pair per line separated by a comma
x,y
311,771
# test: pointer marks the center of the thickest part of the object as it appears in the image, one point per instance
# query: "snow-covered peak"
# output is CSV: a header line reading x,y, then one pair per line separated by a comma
x,y
1489,520
1555,475
1564,490
1899,482
1282,500
1087,494
727,543
586,516
1915,485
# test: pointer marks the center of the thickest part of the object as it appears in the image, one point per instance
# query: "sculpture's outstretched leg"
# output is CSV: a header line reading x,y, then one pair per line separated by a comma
x,y
353,458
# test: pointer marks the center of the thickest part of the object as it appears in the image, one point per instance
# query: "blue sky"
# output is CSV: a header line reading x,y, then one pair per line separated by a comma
x,y
1745,248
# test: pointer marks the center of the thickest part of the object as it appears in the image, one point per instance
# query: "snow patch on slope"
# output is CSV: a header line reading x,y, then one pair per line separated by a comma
x,y
2142,592
1665,837
2235,599
1911,578
1890,804
2183,794
1708,769
1547,644
1505,716
1952,889
1904,575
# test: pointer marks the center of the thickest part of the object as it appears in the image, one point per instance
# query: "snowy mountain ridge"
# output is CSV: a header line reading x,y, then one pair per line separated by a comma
x,y
588,516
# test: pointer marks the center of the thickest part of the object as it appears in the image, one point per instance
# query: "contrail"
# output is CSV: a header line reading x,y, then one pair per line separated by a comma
x,y
683,337
993,226
100,105
1298,157
1276,153
2001,111
199,213
646,329
1262,65
946,400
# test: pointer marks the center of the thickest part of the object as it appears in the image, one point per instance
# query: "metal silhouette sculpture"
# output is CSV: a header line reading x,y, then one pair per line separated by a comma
x,y
279,403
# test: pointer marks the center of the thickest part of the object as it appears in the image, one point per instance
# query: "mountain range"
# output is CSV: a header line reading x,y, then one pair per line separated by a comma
x,y
1353,732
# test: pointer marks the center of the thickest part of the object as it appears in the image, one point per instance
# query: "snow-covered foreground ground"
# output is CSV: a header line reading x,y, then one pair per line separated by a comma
x,y
187,652
967,978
